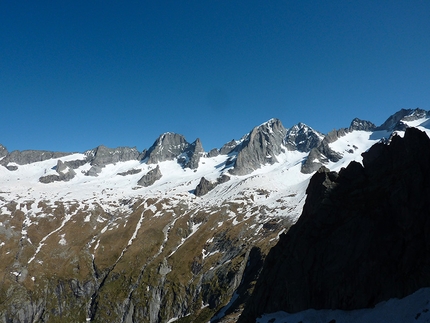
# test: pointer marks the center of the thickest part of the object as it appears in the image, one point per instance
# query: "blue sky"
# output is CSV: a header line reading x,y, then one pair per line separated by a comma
x,y
77,74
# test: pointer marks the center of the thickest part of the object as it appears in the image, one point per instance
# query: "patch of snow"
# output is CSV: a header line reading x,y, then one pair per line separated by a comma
x,y
413,308
62,241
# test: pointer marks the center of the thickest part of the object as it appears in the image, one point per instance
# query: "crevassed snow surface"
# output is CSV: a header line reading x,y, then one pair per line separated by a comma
x,y
414,308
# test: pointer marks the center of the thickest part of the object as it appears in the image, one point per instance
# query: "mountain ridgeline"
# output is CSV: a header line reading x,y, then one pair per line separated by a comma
x,y
283,219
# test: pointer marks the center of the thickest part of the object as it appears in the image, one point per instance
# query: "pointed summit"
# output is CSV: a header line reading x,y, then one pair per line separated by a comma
x,y
167,147
302,138
259,147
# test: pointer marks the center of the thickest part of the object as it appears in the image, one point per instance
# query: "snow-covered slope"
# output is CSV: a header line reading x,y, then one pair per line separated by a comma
x,y
413,308
89,226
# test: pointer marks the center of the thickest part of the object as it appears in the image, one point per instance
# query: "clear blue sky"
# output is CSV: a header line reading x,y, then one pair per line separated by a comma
x,y
77,74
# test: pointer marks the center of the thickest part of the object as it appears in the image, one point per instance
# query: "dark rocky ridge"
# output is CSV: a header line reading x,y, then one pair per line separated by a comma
x,y
362,237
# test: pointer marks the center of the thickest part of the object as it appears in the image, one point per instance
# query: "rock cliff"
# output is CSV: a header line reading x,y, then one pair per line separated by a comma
x,y
362,237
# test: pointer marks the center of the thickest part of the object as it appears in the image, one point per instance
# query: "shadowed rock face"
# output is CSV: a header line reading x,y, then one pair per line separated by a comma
x,y
362,237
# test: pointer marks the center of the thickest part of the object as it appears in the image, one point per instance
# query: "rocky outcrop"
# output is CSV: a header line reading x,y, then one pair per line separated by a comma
x,y
206,186
130,172
150,177
319,156
191,157
75,164
361,125
259,147
362,237
302,138
213,153
30,156
170,146
102,156
229,147
3,151
65,173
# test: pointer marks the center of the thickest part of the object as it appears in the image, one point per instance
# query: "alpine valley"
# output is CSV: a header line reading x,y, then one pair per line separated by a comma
x,y
176,233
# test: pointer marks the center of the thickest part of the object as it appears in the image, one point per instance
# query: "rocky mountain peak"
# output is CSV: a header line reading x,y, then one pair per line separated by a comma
x,y
395,121
259,147
302,138
167,147
361,125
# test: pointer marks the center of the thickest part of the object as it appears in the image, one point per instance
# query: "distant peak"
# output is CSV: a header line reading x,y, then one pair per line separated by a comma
x,y
394,122
363,125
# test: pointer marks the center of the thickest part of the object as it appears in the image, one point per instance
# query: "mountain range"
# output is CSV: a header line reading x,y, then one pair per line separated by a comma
x,y
175,233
